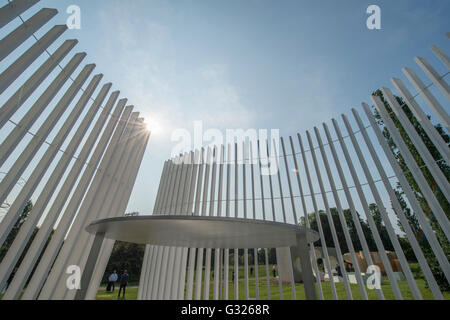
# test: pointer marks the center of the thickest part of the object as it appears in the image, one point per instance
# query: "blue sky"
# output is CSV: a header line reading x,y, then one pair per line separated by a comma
x,y
244,64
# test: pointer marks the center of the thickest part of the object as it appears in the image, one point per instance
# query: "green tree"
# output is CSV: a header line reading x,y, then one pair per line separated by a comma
x,y
126,256
15,230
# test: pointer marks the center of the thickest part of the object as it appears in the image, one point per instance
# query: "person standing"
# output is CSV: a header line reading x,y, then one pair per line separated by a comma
x,y
123,283
338,270
274,271
112,281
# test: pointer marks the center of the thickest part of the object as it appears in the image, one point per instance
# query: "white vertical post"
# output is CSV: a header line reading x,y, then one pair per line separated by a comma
x,y
244,202
227,212
204,213
365,205
148,264
24,91
236,210
434,104
390,230
423,151
9,43
181,254
142,277
39,171
91,202
13,9
291,196
192,251
434,76
199,265
115,197
275,158
172,250
305,214
341,219
414,168
11,73
255,250
355,216
316,212
14,138
211,213
186,209
404,221
53,246
218,252
423,220
426,124
28,227
327,210
441,55
123,193
266,256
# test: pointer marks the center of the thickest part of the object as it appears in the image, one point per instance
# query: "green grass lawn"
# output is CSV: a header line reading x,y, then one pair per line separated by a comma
x,y
132,290
299,290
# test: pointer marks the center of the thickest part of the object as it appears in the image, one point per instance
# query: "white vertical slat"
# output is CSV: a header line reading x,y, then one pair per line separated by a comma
x,y
255,250
101,158
373,228
305,214
32,83
275,157
186,210
342,220
244,203
217,251
114,198
227,212
441,55
43,199
328,211
418,144
14,70
404,221
266,255
14,39
426,124
212,195
10,143
316,212
434,76
13,9
414,168
181,190
390,230
434,104
423,220
122,198
199,265
192,251
236,210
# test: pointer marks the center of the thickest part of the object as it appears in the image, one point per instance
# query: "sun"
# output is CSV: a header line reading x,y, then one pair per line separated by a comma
x,y
153,126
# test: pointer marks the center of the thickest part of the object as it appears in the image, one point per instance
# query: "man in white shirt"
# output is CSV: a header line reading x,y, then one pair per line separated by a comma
x,y
112,280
